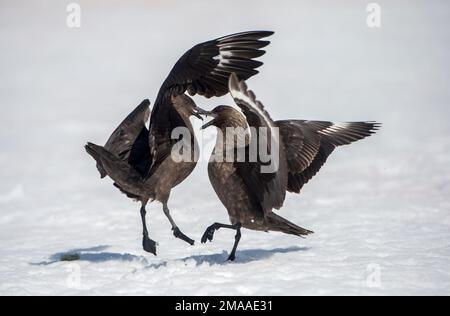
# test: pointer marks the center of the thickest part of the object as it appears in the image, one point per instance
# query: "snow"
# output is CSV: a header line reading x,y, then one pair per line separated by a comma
x,y
380,208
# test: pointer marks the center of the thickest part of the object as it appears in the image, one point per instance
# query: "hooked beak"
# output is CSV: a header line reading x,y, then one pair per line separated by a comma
x,y
210,123
198,112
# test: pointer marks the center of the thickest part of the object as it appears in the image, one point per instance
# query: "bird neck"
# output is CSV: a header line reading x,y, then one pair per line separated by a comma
x,y
185,116
231,139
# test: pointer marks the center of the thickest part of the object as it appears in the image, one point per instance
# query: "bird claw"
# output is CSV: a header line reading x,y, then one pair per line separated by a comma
x,y
232,257
149,245
178,234
208,235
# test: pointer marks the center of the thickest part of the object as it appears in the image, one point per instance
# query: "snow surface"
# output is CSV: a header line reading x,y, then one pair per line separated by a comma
x,y
380,208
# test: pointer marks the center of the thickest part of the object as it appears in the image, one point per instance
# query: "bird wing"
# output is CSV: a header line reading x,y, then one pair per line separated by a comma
x,y
129,142
203,70
206,68
269,188
308,144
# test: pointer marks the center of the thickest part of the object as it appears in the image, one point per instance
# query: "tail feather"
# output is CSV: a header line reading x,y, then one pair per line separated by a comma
x,y
126,178
278,223
94,152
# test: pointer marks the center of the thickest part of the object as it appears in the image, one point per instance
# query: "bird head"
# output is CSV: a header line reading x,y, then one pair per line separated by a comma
x,y
226,116
186,106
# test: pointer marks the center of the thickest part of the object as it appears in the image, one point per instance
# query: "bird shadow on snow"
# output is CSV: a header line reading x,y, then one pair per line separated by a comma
x,y
242,257
94,254
98,255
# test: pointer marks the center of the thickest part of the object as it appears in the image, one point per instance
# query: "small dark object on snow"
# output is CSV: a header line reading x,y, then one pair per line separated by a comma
x,y
70,257
250,195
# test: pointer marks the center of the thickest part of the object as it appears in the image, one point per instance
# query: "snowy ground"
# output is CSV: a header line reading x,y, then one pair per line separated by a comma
x,y
380,208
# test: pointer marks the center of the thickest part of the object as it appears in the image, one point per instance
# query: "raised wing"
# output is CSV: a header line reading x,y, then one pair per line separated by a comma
x,y
204,70
308,144
129,142
206,67
268,188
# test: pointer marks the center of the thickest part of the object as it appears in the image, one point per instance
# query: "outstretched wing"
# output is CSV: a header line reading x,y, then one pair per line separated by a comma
x,y
203,70
206,67
129,142
308,145
268,188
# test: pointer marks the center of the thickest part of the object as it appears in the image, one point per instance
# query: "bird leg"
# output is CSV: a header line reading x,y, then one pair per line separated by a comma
x,y
176,231
148,244
209,235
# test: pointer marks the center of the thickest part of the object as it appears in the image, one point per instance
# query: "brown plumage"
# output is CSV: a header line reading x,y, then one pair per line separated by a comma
x,y
250,195
126,159
138,159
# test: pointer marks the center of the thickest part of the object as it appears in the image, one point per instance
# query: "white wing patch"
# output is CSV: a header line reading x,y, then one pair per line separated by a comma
x,y
224,55
238,92
335,128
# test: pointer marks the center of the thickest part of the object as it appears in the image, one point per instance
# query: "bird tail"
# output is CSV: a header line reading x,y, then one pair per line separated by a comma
x,y
126,178
95,152
280,224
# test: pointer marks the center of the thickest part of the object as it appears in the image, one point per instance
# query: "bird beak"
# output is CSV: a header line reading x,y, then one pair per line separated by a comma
x,y
210,123
198,112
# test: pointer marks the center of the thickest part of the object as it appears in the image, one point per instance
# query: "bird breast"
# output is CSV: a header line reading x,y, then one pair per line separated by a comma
x,y
231,190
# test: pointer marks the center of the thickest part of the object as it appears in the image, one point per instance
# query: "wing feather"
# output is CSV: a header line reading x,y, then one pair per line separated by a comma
x,y
268,188
308,145
204,70
127,140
